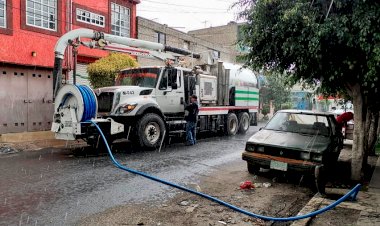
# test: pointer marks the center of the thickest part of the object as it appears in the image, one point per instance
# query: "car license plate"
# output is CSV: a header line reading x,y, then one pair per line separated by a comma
x,y
283,166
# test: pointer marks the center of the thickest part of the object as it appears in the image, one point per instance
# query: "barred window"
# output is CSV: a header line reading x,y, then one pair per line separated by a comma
x,y
42,14
3,13
90,18
120,20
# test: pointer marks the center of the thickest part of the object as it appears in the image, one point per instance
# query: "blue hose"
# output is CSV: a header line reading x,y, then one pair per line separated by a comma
x,y
89,113
89,101
350,194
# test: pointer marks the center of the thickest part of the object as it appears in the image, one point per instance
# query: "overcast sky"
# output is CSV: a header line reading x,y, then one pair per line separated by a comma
x,y
188,15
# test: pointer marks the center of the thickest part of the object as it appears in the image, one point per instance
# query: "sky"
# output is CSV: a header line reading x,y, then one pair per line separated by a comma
x,y
186,15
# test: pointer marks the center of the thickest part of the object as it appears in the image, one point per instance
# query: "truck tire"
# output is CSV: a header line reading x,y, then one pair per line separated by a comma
x,y
243,122
150,130
232,124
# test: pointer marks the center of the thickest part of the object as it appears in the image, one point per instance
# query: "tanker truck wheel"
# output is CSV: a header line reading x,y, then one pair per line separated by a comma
x,y
150,131
232,124
243,122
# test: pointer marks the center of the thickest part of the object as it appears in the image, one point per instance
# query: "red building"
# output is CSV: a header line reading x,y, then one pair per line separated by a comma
x,y
29,30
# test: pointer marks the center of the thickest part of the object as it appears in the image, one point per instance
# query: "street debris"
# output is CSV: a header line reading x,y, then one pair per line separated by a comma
x,y
246,185
267,185
222,222
258,185
184,203
191,208
7,150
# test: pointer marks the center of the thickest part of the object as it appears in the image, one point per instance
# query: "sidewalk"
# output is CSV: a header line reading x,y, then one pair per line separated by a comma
x,y
364,212
29,141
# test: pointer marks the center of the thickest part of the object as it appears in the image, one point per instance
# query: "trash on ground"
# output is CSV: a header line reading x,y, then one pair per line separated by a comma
x,y
258,185
184,203
267,185
222,222
246,185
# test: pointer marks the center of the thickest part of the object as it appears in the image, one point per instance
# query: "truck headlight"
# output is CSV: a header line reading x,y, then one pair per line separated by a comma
x,y
305,155
127,108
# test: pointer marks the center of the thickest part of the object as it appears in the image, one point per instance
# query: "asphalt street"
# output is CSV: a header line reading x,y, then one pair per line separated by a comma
x,y
59,186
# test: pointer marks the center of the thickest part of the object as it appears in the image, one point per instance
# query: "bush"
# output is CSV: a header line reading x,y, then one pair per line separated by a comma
x,y
103,71
265,110
286,106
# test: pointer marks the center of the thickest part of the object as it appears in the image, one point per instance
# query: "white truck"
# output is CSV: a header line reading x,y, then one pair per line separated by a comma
x,y
147,103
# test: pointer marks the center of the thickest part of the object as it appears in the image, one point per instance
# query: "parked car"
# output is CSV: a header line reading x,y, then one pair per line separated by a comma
x,y
296,140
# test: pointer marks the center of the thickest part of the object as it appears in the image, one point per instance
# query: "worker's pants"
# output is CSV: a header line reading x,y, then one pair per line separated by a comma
x,y
190,132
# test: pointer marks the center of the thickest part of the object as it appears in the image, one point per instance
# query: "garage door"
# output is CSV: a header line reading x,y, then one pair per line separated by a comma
x,y
26,100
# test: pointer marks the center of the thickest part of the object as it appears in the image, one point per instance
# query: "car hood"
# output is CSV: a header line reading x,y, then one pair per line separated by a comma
x,y
313,143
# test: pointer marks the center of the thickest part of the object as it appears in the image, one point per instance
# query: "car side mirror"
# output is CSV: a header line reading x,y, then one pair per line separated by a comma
x,y
174,85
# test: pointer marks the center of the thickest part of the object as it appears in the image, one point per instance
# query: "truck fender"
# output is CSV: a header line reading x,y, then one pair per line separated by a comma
x,y
152,108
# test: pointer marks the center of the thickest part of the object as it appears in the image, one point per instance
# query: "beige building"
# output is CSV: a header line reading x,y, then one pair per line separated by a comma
x,y
210,51
227,36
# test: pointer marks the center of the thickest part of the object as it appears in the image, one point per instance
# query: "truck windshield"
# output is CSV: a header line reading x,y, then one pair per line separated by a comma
x,y
143,77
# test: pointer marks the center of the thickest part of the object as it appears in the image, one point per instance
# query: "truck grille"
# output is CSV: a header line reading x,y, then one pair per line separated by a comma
x,y
105,101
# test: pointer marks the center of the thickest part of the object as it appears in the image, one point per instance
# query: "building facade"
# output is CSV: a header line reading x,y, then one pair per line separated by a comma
x,y
227,36
155,32
29,30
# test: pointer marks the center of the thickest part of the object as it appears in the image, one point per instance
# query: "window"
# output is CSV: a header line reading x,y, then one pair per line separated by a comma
x,y
169,77
42,14
160,37
120,20
186,45
3,13
90,18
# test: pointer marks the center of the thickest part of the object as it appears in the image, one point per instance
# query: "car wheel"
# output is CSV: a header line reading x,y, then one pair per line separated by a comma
x,y
253,169
243,122
320,179
232,124
150,130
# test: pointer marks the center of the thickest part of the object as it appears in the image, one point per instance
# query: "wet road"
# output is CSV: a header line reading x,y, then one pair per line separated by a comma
x,y
56,187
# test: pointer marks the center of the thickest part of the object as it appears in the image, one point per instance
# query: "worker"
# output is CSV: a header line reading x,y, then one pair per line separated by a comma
x,y
191,117
344,118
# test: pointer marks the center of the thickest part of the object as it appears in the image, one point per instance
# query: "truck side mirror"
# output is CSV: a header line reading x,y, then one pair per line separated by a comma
x,y
174,85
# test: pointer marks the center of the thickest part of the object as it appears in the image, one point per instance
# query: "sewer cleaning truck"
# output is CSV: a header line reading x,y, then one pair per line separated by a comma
x,y
146,104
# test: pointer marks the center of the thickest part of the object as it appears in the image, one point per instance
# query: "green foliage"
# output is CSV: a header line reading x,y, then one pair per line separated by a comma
x,y
265,110
103,71
338,50
286,105
275,90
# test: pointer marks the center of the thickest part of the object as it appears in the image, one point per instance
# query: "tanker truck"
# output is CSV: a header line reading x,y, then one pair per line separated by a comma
x,y
146,104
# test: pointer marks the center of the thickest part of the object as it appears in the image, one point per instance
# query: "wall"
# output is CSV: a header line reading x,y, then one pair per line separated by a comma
x,y
226,35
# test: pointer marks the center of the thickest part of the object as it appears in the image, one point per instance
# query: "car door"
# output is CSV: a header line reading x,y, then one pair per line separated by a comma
x,y
170,91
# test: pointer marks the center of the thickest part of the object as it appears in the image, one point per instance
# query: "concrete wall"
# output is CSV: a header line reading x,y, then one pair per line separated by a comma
x,y
146,30
226,35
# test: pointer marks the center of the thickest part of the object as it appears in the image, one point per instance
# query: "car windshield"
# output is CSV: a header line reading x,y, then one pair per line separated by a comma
x,y
143,77
299,123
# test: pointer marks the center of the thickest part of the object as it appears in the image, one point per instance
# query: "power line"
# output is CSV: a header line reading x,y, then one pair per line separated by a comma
x,y
188,6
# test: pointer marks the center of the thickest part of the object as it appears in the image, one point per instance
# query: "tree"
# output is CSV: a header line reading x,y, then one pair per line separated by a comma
x,y
337,47
275,90
103,71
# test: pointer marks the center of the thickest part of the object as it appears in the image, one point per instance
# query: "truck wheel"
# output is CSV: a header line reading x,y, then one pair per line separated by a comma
x,y
232,124
243,122
150,130
252,169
